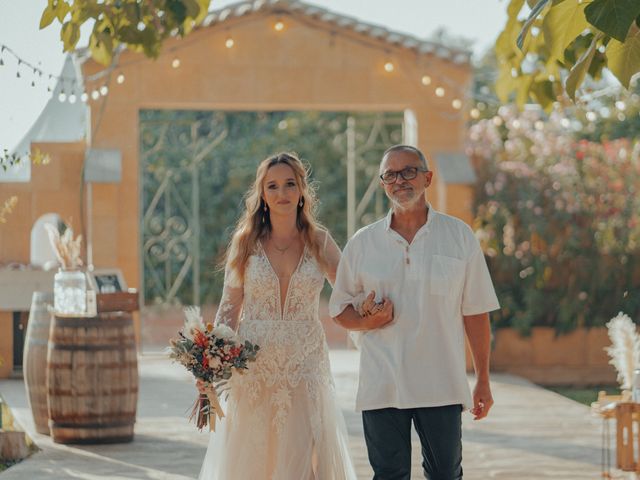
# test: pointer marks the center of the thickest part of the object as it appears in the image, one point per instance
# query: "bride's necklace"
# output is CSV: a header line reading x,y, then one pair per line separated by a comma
x,y
282,250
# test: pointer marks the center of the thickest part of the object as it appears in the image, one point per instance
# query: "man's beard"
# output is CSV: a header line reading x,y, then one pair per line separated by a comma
x,y
407,204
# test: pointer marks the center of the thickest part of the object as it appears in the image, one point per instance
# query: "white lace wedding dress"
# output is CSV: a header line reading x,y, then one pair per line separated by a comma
x,y
282,421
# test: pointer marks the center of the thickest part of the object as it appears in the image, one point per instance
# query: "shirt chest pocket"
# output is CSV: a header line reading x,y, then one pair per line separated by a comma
x,y
446,275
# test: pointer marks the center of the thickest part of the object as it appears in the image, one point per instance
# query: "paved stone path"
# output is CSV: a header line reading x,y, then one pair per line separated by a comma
x,y
531,433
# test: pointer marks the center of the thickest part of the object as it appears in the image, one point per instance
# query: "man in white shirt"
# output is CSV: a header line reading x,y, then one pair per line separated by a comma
x,y
431,285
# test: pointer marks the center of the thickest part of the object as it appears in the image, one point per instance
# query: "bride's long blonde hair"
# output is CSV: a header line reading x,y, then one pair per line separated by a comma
x,y
255,222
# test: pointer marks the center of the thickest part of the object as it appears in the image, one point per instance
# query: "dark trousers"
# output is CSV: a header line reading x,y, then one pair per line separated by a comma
x,y
388,435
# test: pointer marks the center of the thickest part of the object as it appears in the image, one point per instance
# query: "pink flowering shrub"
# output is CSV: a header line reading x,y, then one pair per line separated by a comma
x,y
559,220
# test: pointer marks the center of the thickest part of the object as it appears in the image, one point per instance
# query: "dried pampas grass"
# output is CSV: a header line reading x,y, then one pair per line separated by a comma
x,y
625,348
67,249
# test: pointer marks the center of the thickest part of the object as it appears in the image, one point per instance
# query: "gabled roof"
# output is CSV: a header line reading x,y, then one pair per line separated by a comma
x,y
336,20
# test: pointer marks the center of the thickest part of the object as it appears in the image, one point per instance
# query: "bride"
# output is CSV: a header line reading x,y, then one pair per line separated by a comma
x,y
282,421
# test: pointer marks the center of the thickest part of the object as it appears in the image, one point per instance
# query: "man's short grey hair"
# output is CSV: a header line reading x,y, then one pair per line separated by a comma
x,y
409,149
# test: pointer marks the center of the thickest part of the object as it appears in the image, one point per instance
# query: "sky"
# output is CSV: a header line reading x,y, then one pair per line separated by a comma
x,y
20,103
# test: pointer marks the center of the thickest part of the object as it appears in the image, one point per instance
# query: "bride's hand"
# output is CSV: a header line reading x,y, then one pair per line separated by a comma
x,y
369,304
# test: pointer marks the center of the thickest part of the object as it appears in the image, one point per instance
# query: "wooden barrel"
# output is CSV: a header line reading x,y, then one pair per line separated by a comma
x,y
34,360
92,379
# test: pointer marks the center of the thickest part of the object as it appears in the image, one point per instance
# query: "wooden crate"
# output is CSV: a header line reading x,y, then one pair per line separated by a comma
x,y
117,302
628,436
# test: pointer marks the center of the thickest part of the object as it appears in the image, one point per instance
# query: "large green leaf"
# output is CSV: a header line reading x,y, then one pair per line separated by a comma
x,y
504,44
543,93
70,34
613,17
580,69
48,16
522,92
100,45
562,24
624,57
505,84
62,8
535,11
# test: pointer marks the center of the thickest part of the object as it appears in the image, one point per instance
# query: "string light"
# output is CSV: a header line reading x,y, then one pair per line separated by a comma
x,y
279,26
62,97
475,113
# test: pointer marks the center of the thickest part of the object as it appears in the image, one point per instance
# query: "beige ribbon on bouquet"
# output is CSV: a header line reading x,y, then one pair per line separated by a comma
x,y
215,409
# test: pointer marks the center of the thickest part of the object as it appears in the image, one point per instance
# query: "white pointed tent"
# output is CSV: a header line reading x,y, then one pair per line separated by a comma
x,y
59,122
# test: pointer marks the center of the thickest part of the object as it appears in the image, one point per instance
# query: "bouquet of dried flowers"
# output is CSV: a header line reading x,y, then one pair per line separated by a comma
x,y
212,354
67,249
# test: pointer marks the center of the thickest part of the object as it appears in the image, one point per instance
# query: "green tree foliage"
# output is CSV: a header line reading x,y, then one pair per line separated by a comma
x,y
559,219
139,26
561,42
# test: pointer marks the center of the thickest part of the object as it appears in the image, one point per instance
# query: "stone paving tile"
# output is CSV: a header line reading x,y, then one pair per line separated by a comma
x,y
531,434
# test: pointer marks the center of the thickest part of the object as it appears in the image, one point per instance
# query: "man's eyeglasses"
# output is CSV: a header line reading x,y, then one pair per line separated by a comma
x,y
408,173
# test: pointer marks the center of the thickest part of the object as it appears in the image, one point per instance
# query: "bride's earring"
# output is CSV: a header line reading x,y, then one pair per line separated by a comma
x,y
301,202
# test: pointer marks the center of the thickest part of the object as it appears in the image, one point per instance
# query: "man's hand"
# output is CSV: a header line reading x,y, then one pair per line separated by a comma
x,y
482,400
383,315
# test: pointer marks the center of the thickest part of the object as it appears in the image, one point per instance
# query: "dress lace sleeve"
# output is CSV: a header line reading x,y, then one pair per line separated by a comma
x,y
230,308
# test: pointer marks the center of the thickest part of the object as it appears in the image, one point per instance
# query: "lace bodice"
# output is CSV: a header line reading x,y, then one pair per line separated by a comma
x,y
292,343
259,298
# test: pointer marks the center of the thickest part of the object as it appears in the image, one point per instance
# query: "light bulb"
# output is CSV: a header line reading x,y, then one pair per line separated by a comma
x,y
175,63
229,43
62,97
104,90
440,92
120,79
279,26
456,103
389,67
426,80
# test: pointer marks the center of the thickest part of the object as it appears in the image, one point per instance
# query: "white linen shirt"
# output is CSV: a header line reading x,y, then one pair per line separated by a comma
x,y
419,359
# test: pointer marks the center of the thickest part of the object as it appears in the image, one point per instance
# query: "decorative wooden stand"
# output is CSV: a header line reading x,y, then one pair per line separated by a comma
x,y
628,436
627,416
